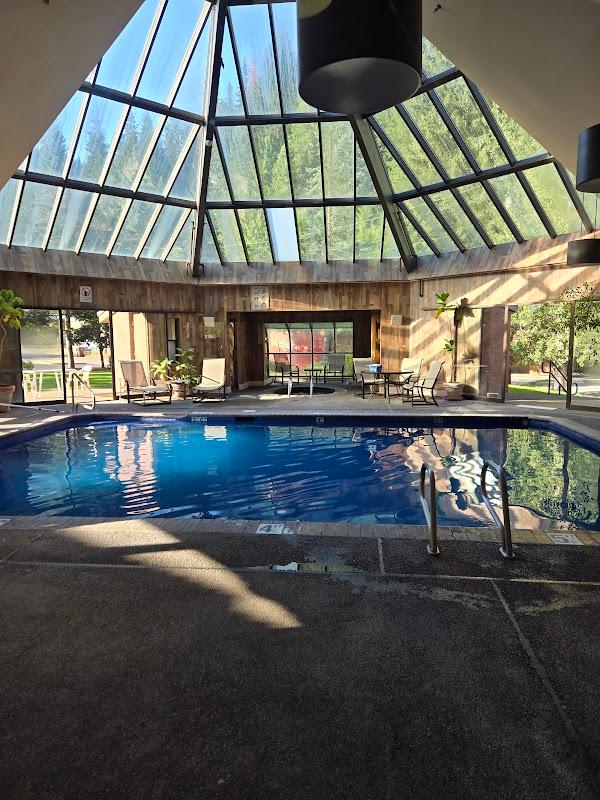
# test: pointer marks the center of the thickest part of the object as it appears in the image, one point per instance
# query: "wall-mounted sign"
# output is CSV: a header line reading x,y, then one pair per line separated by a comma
x,y
259,300
85,294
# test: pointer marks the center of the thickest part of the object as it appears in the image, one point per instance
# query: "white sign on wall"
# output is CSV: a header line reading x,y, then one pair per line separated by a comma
x,y
260,298
85,294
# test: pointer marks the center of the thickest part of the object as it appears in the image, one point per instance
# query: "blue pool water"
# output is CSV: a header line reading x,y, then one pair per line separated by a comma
x,y
294,471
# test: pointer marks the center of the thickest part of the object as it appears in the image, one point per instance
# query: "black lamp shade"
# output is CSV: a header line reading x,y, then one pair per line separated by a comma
x,y
588,160
359,57
583,251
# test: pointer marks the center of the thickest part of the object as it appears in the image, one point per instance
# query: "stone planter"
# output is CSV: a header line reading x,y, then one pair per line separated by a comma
x,y
6,395
454,391
180,390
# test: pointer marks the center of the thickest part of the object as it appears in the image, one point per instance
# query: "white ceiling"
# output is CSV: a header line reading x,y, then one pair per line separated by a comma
x,y
538,59
46,51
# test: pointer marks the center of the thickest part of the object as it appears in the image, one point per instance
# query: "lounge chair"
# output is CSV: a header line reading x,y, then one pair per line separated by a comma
x,y
285,368
403,382
362,376
416,392
137,385
335,366
212,379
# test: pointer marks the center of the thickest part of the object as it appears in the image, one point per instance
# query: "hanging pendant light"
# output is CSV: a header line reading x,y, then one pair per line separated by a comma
x,y
359,57
586,252
583,252
588,160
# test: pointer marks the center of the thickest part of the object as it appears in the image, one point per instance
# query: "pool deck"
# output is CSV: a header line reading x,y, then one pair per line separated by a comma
x,y
160,659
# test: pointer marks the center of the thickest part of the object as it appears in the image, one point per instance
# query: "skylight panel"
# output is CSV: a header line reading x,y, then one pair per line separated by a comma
x,y
407,146
168,221
467,117
454,215
217,185
390,248
95,140
228,235
282,227
305,160
186,184
172,43
36,206
340,232
514,199
368,232
256,237
486,212
311,232
364,184
118,67
419,245
520,142
269,145
434,62
182,249
7,202
104,221
552,194
134,227
229,98
209,254
437,135
398,178
192,92
50,154
430,224
286,43
338,159
133,144
238,161
252,35
171,149
72,211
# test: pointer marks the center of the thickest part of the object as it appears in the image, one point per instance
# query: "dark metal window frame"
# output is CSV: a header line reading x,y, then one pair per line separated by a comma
x,y
309,326
215,13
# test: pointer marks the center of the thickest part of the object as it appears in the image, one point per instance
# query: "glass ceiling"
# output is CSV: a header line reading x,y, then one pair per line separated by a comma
x,y
118,172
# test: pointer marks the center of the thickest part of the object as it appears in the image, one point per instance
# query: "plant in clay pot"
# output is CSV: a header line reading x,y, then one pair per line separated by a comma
x,y
11,314
162,371
185,372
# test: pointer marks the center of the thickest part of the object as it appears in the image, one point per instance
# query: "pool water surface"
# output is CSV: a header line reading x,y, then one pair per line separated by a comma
x,y
296,472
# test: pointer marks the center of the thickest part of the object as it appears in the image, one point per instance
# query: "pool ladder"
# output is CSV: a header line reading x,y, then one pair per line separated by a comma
x,y
429,504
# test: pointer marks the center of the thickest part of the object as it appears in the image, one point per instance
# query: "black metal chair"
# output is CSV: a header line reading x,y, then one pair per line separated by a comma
x,y
285,368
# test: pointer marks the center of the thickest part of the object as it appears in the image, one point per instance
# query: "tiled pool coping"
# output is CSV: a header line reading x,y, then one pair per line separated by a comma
x,y
80,526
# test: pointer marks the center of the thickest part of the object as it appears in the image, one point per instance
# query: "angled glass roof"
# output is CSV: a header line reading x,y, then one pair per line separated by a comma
x,y
119,171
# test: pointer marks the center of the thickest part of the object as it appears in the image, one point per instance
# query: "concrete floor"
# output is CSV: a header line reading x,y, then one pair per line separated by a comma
x,y
148,675
201,665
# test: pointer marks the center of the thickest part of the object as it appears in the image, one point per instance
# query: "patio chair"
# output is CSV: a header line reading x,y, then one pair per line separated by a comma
x,y
362,376
427,384
137,385
285,368
212,379
404,382
335,366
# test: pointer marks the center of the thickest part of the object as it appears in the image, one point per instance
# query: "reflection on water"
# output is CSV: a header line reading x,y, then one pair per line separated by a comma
x,y
248,471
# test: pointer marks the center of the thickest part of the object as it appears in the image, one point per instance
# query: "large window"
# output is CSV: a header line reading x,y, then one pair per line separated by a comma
x,y
308,344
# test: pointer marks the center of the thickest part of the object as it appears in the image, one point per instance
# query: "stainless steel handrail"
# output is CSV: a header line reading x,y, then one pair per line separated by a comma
x,y
430,508
74,405
507,548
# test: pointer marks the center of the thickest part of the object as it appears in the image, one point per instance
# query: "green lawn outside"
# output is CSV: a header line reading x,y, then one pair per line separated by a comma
x,y
99,379
530,391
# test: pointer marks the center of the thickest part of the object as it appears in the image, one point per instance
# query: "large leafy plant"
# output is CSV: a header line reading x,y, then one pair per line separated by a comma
x,y
184,366
11,314
162,369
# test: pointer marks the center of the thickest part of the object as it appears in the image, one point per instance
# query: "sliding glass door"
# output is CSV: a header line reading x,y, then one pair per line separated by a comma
x,y
42,356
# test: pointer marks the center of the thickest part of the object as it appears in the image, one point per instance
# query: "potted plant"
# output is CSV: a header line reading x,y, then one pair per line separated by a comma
x,y
443,309
185,372
11,314
161,370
